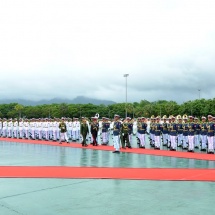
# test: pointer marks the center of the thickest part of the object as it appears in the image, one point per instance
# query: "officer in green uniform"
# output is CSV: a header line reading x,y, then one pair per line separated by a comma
x,y
84,131
124,135
63,131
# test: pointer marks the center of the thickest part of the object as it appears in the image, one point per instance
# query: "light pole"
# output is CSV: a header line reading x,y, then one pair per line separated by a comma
x,y
199,92
125,76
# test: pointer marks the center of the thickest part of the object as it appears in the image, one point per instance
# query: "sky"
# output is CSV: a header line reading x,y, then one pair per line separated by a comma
x,y
70,48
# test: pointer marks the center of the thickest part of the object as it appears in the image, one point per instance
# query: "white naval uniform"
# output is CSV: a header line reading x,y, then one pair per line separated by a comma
x,y
4,130
10,129
0,128
75,130
26,129
15,129
21,129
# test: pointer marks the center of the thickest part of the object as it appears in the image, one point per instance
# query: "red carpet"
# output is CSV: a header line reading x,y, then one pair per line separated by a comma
x,y
178,154
108,173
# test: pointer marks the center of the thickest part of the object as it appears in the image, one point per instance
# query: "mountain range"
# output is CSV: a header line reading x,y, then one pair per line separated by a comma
x,y
77,100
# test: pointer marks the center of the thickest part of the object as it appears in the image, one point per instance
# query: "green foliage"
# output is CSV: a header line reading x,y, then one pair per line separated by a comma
x,y
145,108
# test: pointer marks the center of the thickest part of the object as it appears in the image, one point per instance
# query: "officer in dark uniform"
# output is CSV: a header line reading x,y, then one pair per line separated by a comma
x,y
210,134
94,130
165,131
84,131
191,133
157,133
203,133
185,132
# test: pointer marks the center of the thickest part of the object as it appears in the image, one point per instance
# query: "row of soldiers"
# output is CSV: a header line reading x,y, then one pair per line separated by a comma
x,y
47,129
185,132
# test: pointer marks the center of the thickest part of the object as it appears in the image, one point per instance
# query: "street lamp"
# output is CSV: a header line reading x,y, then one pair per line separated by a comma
x,y
125,76
199,92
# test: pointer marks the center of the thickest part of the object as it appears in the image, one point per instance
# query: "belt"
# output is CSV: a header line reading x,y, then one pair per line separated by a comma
x,y
210,130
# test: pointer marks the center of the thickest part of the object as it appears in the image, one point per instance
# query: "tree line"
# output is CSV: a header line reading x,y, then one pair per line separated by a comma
x,y
198,108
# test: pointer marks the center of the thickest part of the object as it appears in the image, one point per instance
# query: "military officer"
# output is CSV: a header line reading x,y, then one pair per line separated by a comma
x,y
63,131
157,132
191,132
84,132
180,131
173,133
116,133
197,132
185,132
210,134
124,135
165,130
94,128
203,133
142,127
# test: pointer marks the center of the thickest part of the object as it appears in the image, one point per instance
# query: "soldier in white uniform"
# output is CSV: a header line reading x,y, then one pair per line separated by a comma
x,y
0,127
4,130
32,130
20,129
39,128
69,126
15,128
75,129
10,128
26,129
51,124
46,129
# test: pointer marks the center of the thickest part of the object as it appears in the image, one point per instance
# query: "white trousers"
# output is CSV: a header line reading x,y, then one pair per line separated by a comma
x,y
157,141
191,142
63,136
210,143
116,141
142,138
173,141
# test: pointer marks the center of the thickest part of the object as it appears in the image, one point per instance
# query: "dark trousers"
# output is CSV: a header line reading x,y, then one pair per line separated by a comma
x,y
94,135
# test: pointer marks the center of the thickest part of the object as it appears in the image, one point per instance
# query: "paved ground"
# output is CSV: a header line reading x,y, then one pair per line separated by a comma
x,y
66,196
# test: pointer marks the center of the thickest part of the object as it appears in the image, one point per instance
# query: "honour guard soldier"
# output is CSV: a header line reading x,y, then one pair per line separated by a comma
x,y
10,128
15,128
197,133
165,131
116,133
4,130
173,133
84,131
203,133
0,127
180,131
94,130
152,131
157,132
185,132
191,133
142,126
130,130
104,131
210,134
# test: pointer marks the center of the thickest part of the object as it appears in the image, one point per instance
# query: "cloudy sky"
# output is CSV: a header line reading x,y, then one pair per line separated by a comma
x,y
69,48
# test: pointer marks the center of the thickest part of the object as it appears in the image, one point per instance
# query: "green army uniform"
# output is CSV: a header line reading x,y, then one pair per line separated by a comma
x,y
124,135
84,132
62,127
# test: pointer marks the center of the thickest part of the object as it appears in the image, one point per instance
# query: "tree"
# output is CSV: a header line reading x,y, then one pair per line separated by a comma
x,y
18,108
